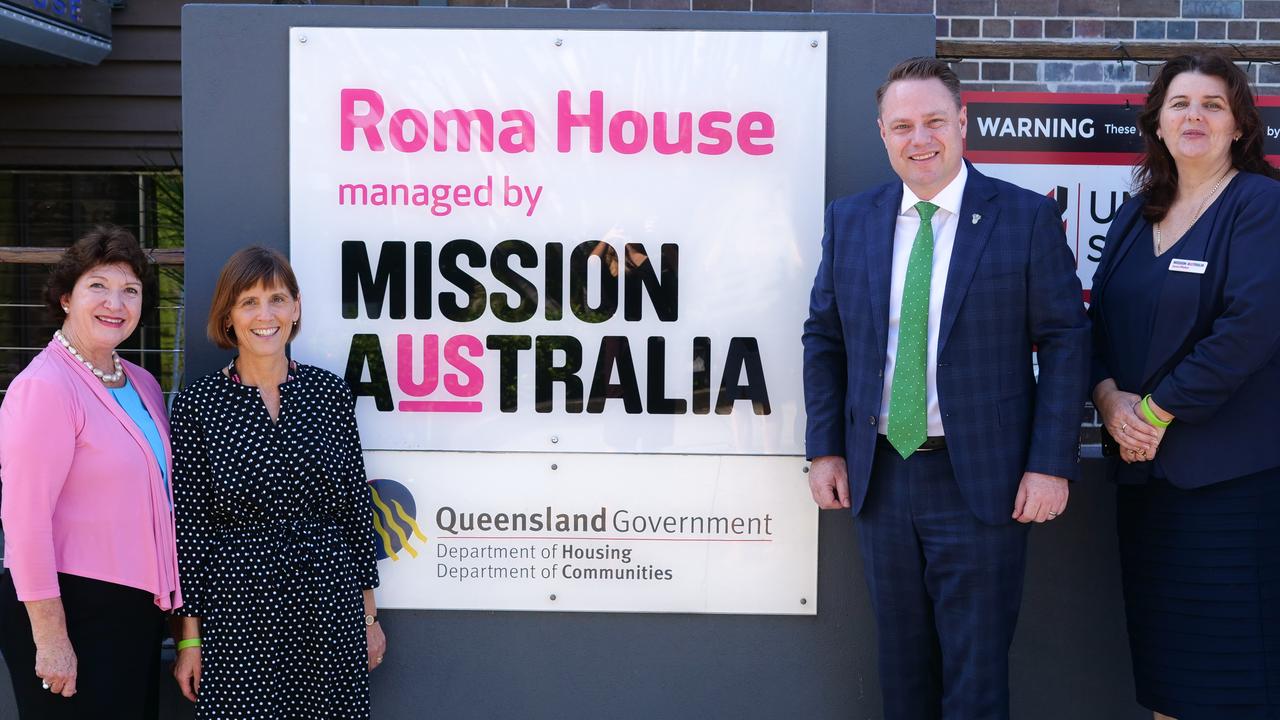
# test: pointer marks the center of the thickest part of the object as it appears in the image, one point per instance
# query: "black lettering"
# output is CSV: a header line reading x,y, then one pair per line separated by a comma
x,y
1117,199
657,402
639,273
508,347
366,349
499,263
701,375
615,351
547,372
1097,244
578,282
357,274
422,272
553,293
449,270
743,351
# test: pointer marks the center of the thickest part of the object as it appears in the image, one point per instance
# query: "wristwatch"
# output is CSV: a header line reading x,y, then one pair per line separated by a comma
x,y
369,620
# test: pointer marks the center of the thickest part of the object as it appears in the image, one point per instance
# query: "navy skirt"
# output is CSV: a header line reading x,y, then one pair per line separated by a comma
x,y
1202,594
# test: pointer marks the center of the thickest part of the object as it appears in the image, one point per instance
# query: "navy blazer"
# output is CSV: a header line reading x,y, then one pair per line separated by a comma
x,y
1011,286
1214,360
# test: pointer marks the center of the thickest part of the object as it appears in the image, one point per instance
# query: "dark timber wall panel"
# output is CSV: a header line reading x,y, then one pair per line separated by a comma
x,y
124,113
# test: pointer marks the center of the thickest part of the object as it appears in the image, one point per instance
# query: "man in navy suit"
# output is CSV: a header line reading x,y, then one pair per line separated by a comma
x,y
924,414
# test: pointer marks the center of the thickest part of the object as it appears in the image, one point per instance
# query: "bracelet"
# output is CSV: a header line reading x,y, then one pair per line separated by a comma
x,y
189,643
1150,414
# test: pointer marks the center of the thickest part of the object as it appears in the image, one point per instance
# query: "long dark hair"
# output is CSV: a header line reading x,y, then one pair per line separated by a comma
x,y
1156,176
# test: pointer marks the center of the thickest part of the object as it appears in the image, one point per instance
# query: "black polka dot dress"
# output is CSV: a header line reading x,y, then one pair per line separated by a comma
x,y
275,545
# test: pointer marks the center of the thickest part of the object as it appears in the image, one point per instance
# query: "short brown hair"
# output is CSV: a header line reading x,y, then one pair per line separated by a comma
x,y
244,271
921,68
103,245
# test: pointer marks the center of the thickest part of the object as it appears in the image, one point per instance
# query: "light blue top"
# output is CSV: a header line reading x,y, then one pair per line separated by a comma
x,y
128,398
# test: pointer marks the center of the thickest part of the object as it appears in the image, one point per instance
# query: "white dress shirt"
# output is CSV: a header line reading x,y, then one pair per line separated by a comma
x,y
944,239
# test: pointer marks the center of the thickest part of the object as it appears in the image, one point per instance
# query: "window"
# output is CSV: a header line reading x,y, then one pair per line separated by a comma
x,y
50,210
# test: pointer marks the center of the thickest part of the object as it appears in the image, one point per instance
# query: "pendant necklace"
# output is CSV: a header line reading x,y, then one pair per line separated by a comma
x,y
1159,244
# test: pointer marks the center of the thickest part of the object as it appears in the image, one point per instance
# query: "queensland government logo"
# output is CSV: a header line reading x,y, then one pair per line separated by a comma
x,y
393,519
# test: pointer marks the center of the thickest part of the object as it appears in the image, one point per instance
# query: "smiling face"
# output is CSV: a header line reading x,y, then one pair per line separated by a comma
x,y
262,319
1196,121
923,132
102,310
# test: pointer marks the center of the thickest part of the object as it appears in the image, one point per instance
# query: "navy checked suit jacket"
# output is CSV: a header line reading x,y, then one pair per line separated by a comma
x,y
1011,287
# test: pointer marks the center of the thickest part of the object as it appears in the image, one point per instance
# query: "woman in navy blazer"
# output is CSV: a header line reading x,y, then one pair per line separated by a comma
x,y
1186,376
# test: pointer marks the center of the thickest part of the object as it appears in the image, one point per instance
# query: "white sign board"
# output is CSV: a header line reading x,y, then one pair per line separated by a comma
x,y
604,235
587,249
1078,149
595,532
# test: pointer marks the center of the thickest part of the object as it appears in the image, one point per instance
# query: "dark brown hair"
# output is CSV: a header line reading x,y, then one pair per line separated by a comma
x,y
1156,176
103,245
921,68
244,271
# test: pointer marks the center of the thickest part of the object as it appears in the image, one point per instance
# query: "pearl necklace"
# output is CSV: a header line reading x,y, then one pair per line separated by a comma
x,y
103,376
1159,244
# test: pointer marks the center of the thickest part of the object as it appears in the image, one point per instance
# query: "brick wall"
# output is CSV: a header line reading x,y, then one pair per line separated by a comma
x,y
1189,22
1242,22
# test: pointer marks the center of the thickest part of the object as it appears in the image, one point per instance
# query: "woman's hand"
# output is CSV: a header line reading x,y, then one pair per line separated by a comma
x,y
377,644
186,670
375,640
56,665
55,658
1137,439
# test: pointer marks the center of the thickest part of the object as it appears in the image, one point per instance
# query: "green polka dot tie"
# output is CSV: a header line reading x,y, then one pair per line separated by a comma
x,y
908,424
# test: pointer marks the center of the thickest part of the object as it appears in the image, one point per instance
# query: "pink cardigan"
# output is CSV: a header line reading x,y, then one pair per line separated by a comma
x,y
82,492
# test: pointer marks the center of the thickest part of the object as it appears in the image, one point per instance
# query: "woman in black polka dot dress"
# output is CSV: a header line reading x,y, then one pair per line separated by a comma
x,y
274,519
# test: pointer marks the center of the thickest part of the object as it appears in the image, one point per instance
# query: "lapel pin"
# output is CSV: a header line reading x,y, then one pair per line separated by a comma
x,y
976,218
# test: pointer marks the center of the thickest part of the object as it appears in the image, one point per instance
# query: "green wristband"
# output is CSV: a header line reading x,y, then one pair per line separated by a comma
x,y
189,643
1150,414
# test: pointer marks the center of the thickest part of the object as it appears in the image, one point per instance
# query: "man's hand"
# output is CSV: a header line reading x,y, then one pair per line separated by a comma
x,y
829,482
1040,497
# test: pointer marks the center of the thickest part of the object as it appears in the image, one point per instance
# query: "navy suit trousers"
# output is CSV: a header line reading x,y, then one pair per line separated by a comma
x,y
945,587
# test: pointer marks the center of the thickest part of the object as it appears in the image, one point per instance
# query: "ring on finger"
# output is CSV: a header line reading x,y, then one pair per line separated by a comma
x,y
1052,514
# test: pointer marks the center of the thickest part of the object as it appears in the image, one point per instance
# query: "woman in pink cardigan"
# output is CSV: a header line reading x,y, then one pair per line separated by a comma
x,y
86,502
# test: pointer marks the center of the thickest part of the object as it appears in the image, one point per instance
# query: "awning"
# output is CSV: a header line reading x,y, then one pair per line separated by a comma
x,y
54,32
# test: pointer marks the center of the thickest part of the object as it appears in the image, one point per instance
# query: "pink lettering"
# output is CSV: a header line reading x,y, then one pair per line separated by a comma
x,y
684,138
708,125
463,119
639,132
417,121
430,365
349,121
524,130
453,348
755,126
593,121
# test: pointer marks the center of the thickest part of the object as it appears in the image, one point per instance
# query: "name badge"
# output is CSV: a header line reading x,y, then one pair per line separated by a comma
x,y
1188,266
